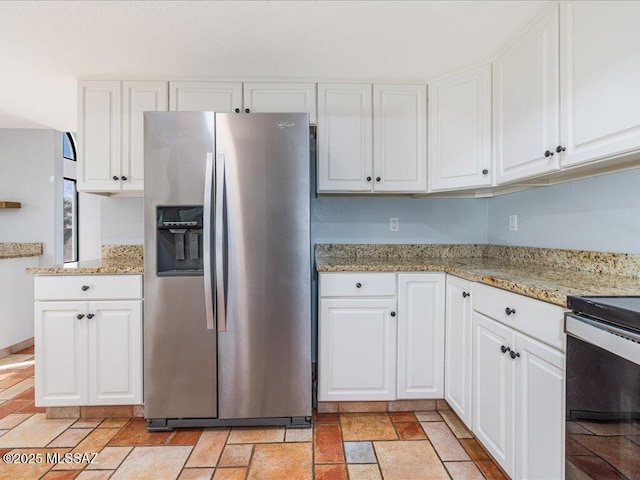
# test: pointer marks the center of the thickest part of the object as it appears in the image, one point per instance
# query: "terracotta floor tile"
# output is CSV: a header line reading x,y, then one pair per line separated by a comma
x,y
61,475
15,471
36,431
442,405
574,448
230,474
95,475
29,394
70,438
30,407
331,472
17,360
634,438
428,417
87,423
10,381
153,463
236,455
135,433
591,467
410,431
359,452
463,471
298,435
2,432
186,436
281,461
114,422
473,449
490,470
610,428
209,447
455,424
196,474
17,389
618,451
416,460
109,458
402,417
445,443
11,406
256,435
367,426
328,444
364,472
326,418
12,420
93,443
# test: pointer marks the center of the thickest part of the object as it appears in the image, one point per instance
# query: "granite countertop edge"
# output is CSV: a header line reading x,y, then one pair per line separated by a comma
x,y
104,266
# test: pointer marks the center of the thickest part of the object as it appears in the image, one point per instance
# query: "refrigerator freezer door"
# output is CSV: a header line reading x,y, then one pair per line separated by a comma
x,y
179,350
264,356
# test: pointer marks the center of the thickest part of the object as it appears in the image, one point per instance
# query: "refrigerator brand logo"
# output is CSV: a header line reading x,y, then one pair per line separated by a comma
x,y
285,124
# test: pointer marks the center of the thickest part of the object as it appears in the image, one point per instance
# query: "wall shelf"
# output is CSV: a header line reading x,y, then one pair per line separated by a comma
x,y
4,204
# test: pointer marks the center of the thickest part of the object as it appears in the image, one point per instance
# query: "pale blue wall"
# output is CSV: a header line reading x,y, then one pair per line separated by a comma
x,y
600,213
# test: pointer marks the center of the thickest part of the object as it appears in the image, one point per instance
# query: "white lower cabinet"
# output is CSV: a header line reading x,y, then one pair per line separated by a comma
x,y
518,385
457,360
87,352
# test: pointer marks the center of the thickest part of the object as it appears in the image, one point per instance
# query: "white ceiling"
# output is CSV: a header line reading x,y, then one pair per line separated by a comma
x,y
46,46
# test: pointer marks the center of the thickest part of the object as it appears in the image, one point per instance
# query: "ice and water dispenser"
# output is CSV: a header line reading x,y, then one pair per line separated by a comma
x,y
179,240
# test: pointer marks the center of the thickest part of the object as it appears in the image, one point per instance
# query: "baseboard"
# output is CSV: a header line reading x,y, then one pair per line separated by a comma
x,y
5,352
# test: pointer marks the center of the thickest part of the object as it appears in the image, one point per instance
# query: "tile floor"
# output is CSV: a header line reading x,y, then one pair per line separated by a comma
x,y
357,446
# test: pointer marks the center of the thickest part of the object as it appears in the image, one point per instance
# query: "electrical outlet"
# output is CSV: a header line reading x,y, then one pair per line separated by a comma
x,y
393,224
513,222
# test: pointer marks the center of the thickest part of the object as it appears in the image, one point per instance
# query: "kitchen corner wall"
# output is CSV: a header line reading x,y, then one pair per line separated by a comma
x,y
600,213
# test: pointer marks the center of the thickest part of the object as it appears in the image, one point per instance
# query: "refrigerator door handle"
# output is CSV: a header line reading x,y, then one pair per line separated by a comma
x,y
219,246
206,243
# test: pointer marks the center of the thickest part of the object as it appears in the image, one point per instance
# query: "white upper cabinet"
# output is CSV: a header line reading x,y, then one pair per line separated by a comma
x,y
281,97
526,103
99,136
137,98
205,97
600,86
460,130
345,146
400,138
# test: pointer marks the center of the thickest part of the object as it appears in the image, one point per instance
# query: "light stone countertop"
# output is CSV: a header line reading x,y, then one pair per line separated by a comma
x,y
116,259
20,250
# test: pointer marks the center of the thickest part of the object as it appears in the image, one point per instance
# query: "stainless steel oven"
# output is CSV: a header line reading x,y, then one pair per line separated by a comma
x,y
603,388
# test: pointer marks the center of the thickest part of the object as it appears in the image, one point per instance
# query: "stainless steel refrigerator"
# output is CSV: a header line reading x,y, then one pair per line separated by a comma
x,y
227,269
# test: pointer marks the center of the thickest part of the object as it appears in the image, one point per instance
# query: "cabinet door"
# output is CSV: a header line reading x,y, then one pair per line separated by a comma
x,y
137,98
400,138
115,353
205,97
357,350
526,109
600,73
457,366
460,130
281,97
61,354
493,410
420,335
99,136
344,138
539,411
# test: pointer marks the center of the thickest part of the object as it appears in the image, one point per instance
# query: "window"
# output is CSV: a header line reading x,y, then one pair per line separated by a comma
x,y
69,200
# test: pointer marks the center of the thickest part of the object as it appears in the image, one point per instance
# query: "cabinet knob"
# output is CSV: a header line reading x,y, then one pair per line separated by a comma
x,y
514,355
465,294
378,179
90,316
485,171
85,288
504,349
80,316
548,153
123,178
368,179
393,314
246,110
116,178
237,110
509,311
358,285
560,148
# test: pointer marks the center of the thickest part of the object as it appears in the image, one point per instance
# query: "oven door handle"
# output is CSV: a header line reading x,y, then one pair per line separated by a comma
x,y
620,342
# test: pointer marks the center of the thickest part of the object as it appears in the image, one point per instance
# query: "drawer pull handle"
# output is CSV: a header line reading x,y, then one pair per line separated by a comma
x,y
393,314
514,354
358,285
90,316
504,349
85,288
509,311
80,316
465,294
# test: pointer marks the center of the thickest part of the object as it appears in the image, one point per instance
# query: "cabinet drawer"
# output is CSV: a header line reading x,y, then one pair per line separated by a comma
x,y
536,318
87,287
357,284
